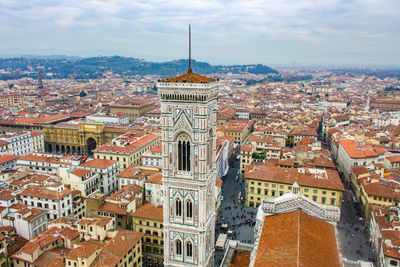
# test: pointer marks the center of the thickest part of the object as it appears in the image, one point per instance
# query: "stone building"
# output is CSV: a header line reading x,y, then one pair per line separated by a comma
x,y
188,119
78,138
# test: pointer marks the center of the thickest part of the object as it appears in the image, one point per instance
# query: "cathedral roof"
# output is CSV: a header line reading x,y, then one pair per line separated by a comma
x,y
189,77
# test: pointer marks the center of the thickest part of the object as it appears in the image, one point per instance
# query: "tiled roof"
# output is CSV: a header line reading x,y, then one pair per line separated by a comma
x,y
128,149
155,179
40,191
6,195
297,239
138,172
95,220
149,211
394,159
80,172
241,259
378,189
355,150
128,192
288,176
98,163
83,250
112,208
32,157
6,158
117,247
190,77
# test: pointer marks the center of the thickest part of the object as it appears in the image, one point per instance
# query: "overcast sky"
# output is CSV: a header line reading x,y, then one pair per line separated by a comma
x,y
357,32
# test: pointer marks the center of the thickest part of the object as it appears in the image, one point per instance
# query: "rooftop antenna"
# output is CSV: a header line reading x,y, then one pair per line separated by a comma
x,y
190,52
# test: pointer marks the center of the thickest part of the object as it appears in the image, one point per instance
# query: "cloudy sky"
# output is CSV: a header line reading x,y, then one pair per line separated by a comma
x,y
341,32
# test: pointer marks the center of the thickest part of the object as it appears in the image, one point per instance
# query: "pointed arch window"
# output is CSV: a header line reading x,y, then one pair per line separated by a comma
x,y
189,249
189,209
210,149
178,207
183,152
178,247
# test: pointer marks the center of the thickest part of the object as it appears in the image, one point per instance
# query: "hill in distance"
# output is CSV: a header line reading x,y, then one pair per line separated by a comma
x,y
94,67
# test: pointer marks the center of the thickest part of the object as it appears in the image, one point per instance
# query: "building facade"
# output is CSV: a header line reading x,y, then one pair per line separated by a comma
x,y
188,119
78,138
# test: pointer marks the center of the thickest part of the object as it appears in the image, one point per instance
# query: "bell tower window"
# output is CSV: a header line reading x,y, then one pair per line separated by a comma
x,y
189,209
183,152
210,149
178,207
189,249
178,247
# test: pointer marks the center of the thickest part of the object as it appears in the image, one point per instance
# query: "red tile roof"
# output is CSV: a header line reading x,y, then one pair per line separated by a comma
x,y
190,77
7,158
98,163
41,191
117,247
297,239
357,151
149,211
288,176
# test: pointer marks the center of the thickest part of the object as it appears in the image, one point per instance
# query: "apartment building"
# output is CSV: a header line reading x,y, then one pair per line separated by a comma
x,y
107,171
27,221
53,197
148,219
127,149
85,180
322,186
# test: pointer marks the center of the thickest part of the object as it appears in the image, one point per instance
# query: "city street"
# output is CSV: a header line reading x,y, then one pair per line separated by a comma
x,y
353,238
234,213
353,235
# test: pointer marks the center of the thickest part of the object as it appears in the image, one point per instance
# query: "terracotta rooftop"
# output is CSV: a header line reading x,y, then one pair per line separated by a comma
x,y
83,250
297,239
241,259
6,158
6,195
110,207
80,172
95,220
394,159
118,246
149,211
288,176
190,77
133,145
99,163
43,192
355,150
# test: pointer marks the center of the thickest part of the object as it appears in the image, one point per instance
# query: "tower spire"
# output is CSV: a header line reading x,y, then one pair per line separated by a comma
x,y
190,51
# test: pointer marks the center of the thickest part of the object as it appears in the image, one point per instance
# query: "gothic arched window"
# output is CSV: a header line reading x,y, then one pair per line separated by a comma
x,y
183,152
189,249
189,209
178,247
210,148
178,207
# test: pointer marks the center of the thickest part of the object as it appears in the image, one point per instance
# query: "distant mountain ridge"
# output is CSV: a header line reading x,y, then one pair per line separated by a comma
x,y
94,67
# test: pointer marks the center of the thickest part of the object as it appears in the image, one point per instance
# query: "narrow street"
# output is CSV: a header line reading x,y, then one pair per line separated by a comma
x,y
233,212
353,234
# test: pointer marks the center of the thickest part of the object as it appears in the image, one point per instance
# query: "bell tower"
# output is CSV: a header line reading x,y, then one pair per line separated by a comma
x,y
188,119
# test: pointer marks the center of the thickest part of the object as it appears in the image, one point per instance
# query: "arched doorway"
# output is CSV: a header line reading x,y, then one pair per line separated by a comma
x,y
90,145
62,149
79,150
57,148
73,150
68,150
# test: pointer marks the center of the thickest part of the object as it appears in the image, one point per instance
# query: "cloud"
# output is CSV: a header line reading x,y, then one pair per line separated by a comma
x,y
140,26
